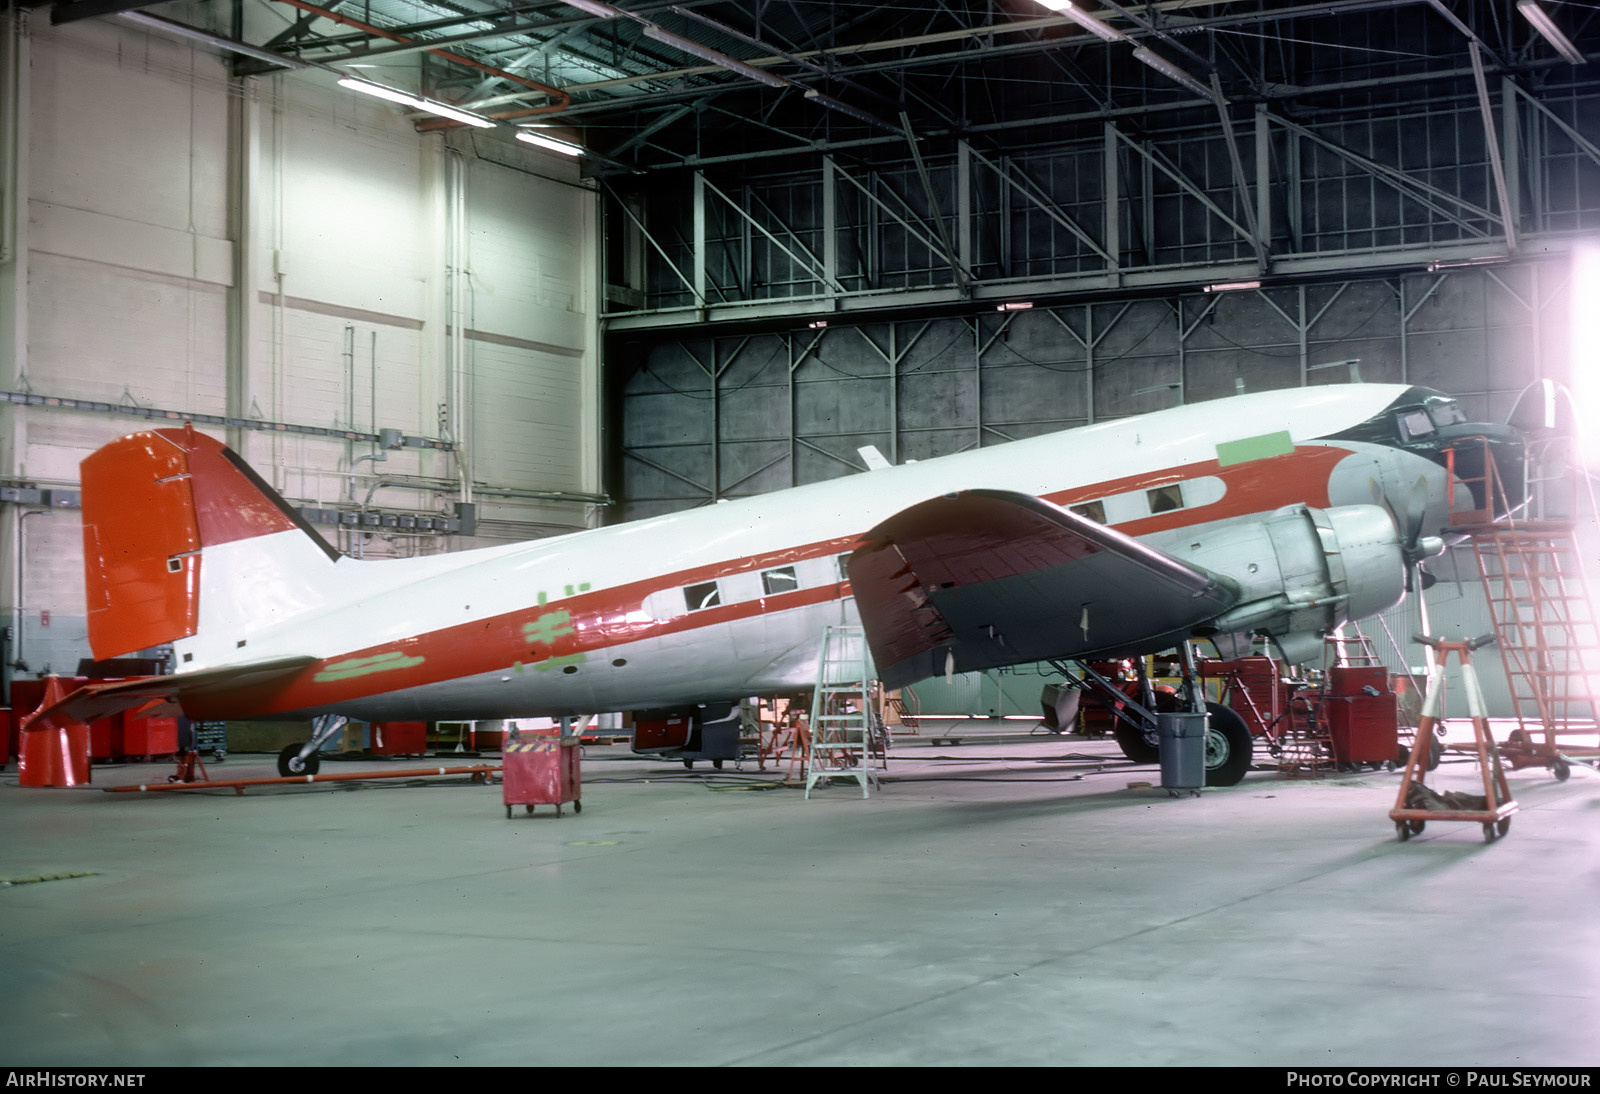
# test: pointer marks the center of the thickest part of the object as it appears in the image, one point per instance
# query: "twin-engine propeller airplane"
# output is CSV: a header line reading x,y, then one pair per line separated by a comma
x,y
1283,513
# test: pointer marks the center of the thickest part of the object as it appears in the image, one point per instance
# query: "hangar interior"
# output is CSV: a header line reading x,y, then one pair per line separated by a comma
x,y
756,238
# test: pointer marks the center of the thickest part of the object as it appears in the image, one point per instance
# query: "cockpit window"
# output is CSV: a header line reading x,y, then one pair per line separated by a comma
x,y
1446,412
1414,423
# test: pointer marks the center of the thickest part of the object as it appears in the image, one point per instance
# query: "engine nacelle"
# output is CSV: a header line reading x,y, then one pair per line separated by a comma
x,y
1304,572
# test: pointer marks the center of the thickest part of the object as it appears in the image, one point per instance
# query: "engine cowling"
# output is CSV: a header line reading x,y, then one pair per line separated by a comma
x,y
1304,572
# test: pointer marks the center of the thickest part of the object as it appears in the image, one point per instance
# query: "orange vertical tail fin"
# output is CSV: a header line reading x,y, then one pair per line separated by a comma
x,y
151,502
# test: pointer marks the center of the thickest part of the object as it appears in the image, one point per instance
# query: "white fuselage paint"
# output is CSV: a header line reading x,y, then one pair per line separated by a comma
x,y
278,596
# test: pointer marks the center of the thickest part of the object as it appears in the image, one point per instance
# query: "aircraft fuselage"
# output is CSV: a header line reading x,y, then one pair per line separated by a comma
x,y
729,600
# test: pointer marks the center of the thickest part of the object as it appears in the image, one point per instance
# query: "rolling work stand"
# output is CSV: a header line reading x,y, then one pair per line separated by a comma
x,y
1416,804
541,769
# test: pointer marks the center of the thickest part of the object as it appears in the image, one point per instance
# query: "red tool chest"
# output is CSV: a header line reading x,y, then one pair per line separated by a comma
x,y
399,738
1363,715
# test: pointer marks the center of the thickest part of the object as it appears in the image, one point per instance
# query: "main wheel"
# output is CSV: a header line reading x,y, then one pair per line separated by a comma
x,y
1228,746
289,767
1130,738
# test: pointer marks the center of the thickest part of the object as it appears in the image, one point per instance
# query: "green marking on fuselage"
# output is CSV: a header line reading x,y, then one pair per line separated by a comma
x,y
1254,448
548,627
363,666
558,662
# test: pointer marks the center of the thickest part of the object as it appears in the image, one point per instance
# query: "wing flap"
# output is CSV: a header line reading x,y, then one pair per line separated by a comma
x,y
990,578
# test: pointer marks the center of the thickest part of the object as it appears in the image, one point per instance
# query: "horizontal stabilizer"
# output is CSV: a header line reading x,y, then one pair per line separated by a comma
x,y
985,578
160,694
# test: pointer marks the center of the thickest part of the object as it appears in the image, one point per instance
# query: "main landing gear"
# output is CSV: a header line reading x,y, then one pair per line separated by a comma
x,y
1136,704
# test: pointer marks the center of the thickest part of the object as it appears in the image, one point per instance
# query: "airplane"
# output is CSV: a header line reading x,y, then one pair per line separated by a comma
x,y
1280,514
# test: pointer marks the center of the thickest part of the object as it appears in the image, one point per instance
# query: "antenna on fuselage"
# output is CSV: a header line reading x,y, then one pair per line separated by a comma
x,y
1353,362
1176,389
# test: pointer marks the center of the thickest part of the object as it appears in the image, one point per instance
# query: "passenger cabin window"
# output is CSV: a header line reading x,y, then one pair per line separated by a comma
x,y
702,596
781,580
1094,510
1164,499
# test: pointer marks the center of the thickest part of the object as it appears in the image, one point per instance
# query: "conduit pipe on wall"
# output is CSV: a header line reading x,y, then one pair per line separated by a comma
x,y
10,127
561,98
456,304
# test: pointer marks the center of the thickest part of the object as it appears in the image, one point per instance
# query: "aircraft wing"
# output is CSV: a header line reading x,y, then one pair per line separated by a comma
x,y
158,694
990,577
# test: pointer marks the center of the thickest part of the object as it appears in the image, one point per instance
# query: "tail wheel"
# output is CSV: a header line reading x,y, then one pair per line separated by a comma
x,y
287,766
1228,746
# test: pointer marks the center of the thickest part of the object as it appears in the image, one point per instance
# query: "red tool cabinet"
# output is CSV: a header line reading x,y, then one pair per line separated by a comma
x,y
1363,715
540,769
399,738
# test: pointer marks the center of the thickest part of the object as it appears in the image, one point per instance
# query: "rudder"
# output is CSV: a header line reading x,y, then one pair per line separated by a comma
x,y
152,501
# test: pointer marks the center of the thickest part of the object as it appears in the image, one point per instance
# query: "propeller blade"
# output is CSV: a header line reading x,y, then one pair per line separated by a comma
x,y
1416,511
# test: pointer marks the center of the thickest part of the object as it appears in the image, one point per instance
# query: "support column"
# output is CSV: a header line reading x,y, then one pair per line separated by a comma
x,y
699,257
1511,139
830,226
1263,178
244,168
14,171
1111,196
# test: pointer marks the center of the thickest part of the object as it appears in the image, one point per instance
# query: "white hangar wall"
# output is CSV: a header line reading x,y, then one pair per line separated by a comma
x,y
284,252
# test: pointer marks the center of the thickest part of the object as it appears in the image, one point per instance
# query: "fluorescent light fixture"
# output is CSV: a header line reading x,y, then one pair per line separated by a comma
x,y
604,11
1085,20
566,148
1172,72
1465,263
1232,286
706,53
818,324
1014,305
845,108
405,98
1542,23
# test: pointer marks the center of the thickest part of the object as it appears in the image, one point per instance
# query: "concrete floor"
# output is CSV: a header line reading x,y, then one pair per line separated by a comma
x,y
1003,902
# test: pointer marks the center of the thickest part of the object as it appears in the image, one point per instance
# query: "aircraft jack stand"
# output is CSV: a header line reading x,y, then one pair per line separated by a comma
x,y
1416,804
190,769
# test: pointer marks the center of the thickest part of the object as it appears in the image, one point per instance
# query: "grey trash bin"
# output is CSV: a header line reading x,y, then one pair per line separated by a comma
x,y
1183,750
